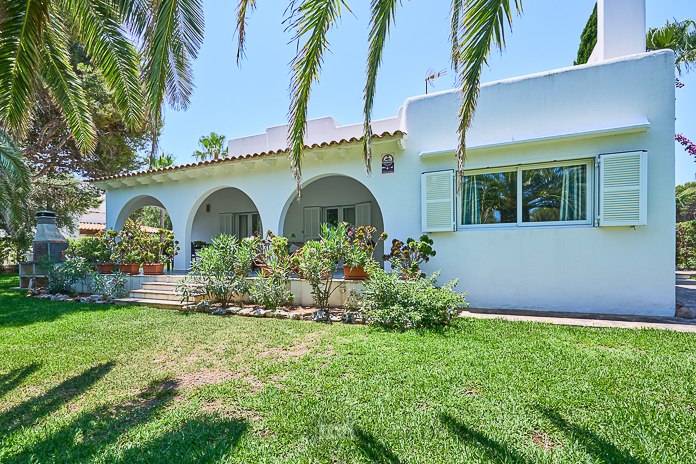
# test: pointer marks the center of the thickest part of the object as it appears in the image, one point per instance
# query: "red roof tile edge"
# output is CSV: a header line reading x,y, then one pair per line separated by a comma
x,y
241,157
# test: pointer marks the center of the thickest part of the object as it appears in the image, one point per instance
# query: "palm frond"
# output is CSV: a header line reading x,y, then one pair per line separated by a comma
x,y
65,87
98,25
457,6
136,16
21,39
240,29
678,36
14,181
311,19
383,12
481,26
173,42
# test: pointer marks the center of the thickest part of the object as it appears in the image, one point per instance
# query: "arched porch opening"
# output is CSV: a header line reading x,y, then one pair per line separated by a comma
x,y
225,211
331,199
147,209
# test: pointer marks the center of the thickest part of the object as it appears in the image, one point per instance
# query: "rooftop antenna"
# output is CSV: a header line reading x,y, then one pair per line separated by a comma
x,y
430,76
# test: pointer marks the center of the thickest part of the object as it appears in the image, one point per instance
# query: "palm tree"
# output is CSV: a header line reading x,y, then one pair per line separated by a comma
x,y
162,161
475,26
212,146
34,55
678,36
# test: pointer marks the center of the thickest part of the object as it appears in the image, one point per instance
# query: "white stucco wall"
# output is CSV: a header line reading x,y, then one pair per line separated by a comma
x,y
573,113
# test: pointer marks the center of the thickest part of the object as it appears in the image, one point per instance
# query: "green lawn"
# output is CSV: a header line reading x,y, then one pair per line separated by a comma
x,y
94,383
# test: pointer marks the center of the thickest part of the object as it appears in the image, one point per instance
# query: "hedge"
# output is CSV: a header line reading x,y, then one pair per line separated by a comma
x,y
686,244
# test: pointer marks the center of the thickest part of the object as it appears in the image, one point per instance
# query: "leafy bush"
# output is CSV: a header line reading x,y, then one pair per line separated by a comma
x,y
157,248
62,277
109,285
686,244
219,271
391,302
271,291
126,250
96,249
360,247
270,288
319,262
406,258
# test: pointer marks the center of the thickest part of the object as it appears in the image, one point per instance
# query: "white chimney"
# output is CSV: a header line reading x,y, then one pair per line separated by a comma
x,y
620,29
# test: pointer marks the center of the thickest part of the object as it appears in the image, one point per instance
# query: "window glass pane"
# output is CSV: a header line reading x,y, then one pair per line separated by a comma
x,y
256,224
349,215
490,198
332,217
242,226
554,194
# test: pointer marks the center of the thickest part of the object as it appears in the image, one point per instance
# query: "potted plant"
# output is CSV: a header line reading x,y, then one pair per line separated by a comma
x,y
359,250
156,250
95,250
126,252
407,257
273,252
103,250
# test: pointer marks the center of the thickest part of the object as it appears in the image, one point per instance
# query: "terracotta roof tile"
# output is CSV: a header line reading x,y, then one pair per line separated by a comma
x,y
99,226
243,157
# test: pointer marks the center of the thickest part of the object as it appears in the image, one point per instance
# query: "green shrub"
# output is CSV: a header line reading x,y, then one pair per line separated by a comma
x,y
319,262
62,277
219,271
391,302
406,258
686,244
271,291
109,285
360,246
270,288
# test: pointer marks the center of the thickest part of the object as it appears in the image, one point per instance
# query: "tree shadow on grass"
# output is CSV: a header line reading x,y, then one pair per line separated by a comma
x,y
372,449
497,452
16,310
590,441
91,434
15,377
28,413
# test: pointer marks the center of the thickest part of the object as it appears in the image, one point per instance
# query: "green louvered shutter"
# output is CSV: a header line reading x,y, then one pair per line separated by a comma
x,y
623,189
437,201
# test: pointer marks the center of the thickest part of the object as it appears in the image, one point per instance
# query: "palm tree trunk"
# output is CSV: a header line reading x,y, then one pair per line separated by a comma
x,y
161,218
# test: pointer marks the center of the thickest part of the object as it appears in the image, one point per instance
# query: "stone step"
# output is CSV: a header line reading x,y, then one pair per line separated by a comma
x,y
160,286
155,295
160,304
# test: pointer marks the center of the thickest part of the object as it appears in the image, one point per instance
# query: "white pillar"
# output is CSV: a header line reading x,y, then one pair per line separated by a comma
x,y
620,29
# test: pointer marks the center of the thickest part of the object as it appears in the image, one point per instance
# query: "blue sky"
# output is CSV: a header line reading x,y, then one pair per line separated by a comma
x,y
239,101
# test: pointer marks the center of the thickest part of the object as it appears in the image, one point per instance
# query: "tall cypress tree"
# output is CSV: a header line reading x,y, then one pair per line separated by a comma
x,y
588,39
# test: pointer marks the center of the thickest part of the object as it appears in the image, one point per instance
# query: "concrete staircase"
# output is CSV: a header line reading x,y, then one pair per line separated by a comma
x,y
159,293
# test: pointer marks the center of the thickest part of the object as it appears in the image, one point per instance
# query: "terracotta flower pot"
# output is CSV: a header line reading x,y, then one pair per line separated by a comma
x,y
153,269
106,268
263,269
131,269
354,273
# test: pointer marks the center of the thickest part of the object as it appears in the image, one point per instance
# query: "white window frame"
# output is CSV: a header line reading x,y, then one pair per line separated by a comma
x,y
249,215
325,212
590,201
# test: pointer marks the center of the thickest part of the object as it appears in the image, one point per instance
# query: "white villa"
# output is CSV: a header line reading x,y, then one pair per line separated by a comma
x,y
567,202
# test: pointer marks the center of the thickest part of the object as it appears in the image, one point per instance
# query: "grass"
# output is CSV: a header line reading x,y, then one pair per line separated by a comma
x,y
96,383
